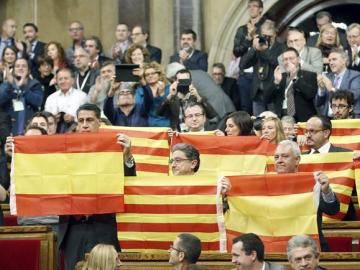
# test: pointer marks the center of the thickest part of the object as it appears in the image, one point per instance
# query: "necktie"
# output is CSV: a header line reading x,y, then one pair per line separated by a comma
x,y
336,82
290,100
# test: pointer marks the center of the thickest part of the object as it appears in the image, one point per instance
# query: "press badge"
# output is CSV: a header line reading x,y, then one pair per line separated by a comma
x,y
18,105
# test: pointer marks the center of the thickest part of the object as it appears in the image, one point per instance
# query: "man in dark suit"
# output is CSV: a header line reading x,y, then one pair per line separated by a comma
x,y
295,89
95,49
317,132
339,78
263,58
35,48
188,56
353,38
79,234
287,159
140,35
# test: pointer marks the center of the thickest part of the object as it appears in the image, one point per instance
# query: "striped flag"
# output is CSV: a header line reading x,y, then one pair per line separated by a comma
x,y
339,169
274,206
67,174
150,147
157,209
357,176
228,155
344,133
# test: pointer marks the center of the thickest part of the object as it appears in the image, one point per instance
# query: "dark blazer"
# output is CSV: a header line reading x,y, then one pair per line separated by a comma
x,y
305,88
230,87
155,53
89,82
351,82
198,60
351,66
38,51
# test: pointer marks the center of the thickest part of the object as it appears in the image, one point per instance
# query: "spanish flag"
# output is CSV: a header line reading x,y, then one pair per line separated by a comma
x,y
157,209
344,133
274,206
340,170
150,147
228,155
67,174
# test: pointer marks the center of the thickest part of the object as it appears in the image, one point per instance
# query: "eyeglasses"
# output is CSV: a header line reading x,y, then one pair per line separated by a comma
x,y
196,115
340,106
312,131
177,160
124,93
174,248
75,29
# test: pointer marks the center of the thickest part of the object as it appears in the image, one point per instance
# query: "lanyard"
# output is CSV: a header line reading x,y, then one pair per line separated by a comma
x,y
84,81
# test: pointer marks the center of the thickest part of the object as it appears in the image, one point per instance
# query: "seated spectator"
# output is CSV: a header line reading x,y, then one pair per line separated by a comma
x,y
45,77
327,41
64,103
56,52
95,49
128,113
238,124
229,85
172,106
84,75
52,122
20,96
185,250
272,130
289,127
156,84
103,82
303,253
8,57
103,257
342,104
188,56
122,43
248,253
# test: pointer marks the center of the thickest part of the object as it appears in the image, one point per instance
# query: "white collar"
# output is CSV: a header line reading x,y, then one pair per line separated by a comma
x,y
323,149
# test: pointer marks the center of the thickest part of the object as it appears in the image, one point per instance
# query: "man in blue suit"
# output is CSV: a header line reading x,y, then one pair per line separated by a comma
x,y
188,56
339,78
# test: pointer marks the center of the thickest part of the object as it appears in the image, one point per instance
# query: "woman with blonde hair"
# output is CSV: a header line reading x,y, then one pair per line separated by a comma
x,y
272,130
103,257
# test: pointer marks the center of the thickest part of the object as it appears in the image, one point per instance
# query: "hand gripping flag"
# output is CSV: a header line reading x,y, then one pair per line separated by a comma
x,y
67,174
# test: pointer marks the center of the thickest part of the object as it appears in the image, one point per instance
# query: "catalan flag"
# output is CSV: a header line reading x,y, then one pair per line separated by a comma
x,y
157,209
345,133
150,147
67,174
274,206
339,169
228,155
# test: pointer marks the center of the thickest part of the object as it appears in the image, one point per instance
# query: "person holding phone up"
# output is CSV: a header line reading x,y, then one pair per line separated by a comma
x,y
20,96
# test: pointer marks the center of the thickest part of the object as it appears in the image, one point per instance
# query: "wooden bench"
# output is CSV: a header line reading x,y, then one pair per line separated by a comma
x,y
344,229
42,233
212,261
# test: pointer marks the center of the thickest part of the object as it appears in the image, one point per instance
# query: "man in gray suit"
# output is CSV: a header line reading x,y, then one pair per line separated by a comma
x,y
248,254
311,58
339,78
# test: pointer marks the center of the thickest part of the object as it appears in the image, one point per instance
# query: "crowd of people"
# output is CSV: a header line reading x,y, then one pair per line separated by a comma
x,y
46,89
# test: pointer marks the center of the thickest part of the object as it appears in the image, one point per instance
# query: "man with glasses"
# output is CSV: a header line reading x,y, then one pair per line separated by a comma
x,y
303,253
84,76
342,104
195,117
140,35
248,254
76,31
184,251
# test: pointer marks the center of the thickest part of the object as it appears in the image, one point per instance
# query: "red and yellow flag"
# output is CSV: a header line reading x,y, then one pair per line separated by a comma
x,y
274,206
339,169
228,155
67,174
150,147
157,209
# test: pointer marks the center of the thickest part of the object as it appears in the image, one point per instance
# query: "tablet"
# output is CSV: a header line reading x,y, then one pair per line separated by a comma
x,y
124,73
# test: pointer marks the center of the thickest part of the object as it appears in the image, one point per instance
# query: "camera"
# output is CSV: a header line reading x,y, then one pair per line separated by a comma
x,y
183,86
263,40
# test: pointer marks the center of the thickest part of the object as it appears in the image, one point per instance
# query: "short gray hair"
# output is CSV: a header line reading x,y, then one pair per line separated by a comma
x,y
190,152
342,53
293,145
301,241
288,119
352,26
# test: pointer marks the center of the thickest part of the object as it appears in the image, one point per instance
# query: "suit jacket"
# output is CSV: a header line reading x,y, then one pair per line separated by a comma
x,y
351,82
265,61
230,87
351,65
155,53
198,60
305,88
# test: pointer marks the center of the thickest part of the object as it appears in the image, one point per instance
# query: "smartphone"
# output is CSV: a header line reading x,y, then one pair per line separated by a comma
x,y
183,86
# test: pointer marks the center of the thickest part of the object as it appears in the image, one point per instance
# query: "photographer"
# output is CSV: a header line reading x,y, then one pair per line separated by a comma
x,y
263,57
181,92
